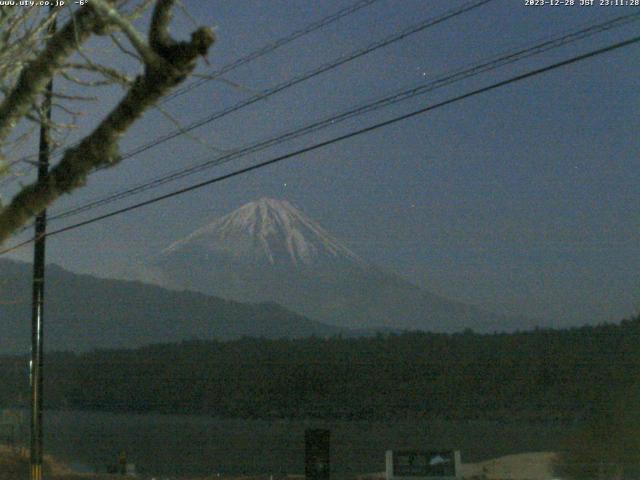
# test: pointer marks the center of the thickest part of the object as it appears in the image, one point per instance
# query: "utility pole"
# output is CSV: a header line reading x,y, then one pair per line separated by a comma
x,y
37,311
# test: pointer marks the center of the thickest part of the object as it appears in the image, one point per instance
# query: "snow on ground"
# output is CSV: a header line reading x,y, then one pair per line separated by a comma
x,y
522,466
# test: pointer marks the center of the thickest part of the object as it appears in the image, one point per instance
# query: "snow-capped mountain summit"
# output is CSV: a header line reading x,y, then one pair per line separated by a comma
x,y
269,251
267,230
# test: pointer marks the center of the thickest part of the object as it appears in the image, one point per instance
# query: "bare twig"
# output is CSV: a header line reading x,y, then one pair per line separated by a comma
x,y
35,76
123,49
171,63
189,135
111,15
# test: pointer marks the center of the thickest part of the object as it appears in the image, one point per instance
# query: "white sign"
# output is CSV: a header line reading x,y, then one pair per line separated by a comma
x,y
423,464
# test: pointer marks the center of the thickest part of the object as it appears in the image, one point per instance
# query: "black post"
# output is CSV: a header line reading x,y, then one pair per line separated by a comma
x,y
317,462
37,312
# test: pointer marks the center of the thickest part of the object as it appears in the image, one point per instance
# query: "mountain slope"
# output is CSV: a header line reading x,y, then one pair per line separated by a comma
x,y
270,251
84,312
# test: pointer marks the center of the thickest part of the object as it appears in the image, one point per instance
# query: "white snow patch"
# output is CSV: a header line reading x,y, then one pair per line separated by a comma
x,y
271,225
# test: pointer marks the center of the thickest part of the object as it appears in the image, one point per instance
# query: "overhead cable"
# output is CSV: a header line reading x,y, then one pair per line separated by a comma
x,y
337,139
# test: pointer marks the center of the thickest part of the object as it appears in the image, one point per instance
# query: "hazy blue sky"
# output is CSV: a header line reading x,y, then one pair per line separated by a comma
x,y
521,200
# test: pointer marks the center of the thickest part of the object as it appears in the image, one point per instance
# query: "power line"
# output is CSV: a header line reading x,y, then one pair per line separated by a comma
x,y
442,81
425,24
271,47
281,42
340,138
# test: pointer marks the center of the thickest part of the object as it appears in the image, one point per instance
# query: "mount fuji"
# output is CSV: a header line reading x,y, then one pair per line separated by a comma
x,y
267,232
269,251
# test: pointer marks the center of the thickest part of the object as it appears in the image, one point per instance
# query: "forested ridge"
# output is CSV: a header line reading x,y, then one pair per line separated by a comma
x,y
540,375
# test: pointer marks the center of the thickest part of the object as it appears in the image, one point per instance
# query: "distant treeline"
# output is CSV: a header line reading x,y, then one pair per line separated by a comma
x,y
537,375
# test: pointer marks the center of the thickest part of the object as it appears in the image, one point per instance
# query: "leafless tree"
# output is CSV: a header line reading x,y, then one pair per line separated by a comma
x,y
31,54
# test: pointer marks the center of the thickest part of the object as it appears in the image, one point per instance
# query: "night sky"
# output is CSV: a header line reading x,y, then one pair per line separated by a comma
x,y
522,200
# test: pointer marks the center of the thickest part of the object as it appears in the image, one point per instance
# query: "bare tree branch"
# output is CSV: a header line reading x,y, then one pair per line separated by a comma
x,y
36,75
112,15
171,63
